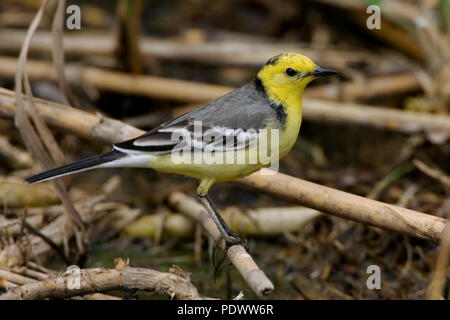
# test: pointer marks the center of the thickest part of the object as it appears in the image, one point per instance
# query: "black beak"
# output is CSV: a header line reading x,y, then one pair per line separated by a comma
x,y
321,72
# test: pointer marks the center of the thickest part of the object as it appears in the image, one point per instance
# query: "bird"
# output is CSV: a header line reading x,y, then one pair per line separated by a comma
x,y
219,141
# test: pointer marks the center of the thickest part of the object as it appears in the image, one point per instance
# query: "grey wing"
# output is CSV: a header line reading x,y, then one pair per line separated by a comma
x,y
229,122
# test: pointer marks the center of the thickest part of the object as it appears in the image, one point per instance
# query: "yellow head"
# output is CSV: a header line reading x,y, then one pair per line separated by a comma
x,y
286,75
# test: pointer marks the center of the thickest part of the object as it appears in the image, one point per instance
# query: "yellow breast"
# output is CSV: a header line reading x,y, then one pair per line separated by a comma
x,y
291,129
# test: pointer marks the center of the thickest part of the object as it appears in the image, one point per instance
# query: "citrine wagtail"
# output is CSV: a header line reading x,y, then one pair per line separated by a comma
x,y
230,126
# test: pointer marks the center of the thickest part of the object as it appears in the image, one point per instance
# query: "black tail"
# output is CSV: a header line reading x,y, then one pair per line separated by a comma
x,y
78,166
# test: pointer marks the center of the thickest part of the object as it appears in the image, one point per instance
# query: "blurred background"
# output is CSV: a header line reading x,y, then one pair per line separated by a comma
x,y
122,62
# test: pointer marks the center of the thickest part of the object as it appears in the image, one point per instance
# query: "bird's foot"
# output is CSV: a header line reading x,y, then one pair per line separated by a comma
x,y
232,238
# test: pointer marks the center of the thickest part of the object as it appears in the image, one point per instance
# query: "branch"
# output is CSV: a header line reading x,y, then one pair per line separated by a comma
x,y
174,284
437,174
254,276
362,89
395,36
84,124
258,222
436,289
20,276
347,205
14,157
237,53
142,85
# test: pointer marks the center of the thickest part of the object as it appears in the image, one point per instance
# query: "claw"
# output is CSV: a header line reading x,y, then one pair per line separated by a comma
x,y
221,260
232,239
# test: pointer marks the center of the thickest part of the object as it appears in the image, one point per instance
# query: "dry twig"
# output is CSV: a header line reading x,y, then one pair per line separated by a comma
x,y
260,222
437,174
174,284
236,53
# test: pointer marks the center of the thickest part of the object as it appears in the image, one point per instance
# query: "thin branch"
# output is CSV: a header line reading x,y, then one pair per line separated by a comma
x,y
434,173
237,53
174,284
49,241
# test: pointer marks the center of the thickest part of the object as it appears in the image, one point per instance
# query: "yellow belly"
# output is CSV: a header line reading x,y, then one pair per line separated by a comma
x,y
217,170
226,166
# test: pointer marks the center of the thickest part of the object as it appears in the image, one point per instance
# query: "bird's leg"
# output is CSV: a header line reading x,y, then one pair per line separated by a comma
x,y
230,237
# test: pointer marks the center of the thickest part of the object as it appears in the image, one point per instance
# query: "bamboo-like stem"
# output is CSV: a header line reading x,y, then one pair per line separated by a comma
x,y
23,275
84,124
237,53
395,36
150,86
258,222
436,288
368,88
15,194
13,156
13,277
347,205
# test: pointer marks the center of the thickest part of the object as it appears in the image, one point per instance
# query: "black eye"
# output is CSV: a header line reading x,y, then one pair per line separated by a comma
x,y
290,72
